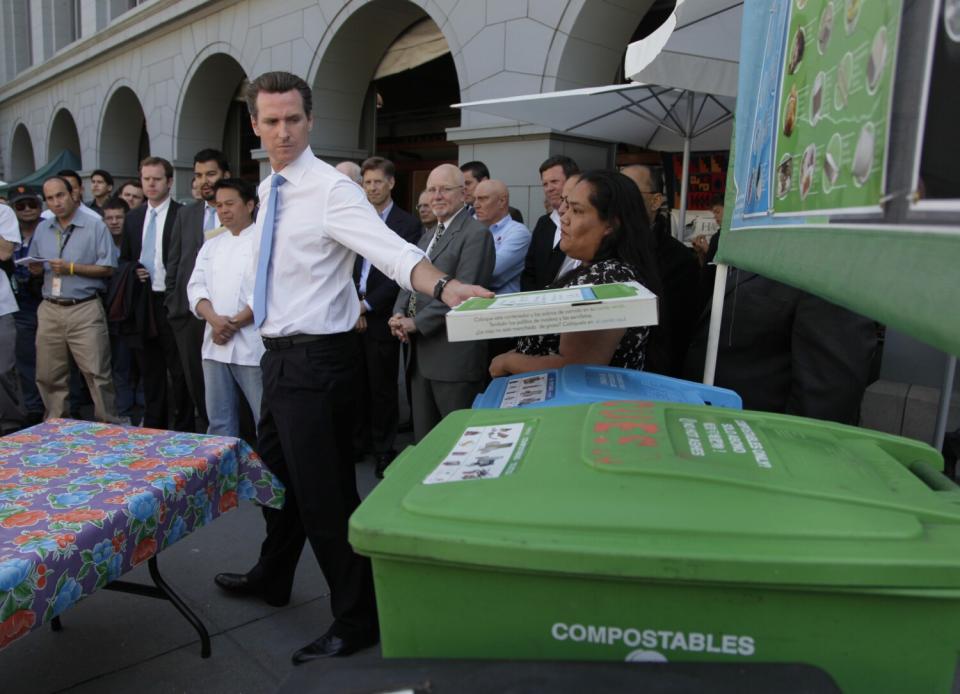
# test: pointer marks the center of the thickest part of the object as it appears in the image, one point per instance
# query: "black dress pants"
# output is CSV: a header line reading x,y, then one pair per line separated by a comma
x,y
155,356
378,413
188,334
305,438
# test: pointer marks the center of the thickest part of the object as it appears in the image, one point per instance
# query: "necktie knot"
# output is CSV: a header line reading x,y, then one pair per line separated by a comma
x,y
277,180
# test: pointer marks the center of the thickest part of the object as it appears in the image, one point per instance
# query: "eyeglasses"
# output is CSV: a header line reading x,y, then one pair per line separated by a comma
x,y
443,190
21,205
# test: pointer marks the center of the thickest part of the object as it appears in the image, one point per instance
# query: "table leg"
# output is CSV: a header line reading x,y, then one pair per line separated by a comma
x,y
181,606
162,590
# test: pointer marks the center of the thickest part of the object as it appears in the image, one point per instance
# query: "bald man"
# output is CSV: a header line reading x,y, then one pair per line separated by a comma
x,y
511,239
351,170
679,270
444,376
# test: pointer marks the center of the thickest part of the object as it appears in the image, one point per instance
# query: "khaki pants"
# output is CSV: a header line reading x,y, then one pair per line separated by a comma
x,y
80,330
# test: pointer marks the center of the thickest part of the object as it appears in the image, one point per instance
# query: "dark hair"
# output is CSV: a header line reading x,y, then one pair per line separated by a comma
x,y
477,168
105,175
157,161
278,83
62,179
657,181
116,203
68,173
717,200
135,184
245,189
569,165
380,164
205,155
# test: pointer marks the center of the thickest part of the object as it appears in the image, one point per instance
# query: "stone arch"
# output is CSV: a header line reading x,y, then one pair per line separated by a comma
x,y
63,135
122,132
209,88
22,161
588,48
347,56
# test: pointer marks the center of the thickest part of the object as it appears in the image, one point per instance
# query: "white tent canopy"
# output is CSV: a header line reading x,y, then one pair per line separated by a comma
x,y
701,53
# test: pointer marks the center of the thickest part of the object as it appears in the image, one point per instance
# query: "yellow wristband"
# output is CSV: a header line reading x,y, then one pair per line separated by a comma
x,y
71,268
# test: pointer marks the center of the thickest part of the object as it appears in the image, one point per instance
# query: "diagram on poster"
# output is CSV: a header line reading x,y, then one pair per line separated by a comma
x,y
834,105
482,452
529,390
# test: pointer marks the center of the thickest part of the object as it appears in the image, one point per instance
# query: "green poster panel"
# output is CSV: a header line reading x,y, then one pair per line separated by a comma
x,y
834,106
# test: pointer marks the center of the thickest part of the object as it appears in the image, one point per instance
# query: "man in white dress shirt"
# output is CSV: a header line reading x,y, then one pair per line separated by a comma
x,y
312,223
231,345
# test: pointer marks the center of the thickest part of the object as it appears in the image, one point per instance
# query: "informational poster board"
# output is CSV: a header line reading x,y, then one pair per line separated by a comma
x,y
834,105
843,226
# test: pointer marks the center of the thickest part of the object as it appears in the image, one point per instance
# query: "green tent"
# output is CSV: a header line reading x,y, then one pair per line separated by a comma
x,y
65,160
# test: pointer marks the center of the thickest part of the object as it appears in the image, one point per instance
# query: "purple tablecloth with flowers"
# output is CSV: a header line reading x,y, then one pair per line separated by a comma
x,y
82,503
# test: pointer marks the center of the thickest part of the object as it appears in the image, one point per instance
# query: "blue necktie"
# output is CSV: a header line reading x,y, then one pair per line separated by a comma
x,y
210,220
148,254
266,248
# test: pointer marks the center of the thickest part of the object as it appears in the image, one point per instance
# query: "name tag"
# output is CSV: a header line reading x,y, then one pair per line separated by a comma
x,y
56,285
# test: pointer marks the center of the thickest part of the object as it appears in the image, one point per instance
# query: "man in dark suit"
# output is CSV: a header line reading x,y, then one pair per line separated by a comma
x,y
545,261
784,350
147,231
445,376
379,414
192,223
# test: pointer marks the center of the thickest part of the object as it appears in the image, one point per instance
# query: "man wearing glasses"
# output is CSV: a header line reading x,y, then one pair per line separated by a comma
x,y
444,376
26,205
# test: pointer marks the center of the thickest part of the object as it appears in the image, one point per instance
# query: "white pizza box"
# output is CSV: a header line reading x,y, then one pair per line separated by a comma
x,y
565,310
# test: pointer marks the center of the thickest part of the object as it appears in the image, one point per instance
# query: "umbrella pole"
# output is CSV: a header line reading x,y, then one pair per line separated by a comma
x,y
716,314
685,180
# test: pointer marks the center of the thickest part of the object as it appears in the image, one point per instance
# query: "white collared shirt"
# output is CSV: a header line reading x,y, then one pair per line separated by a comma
x,y
568,263
218,278
158,272
9,231
323,222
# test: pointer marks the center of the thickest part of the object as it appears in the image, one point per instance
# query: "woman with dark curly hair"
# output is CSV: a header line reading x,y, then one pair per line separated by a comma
x,y
604,225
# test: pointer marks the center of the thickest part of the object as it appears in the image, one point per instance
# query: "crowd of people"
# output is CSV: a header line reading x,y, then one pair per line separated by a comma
x,y
285,314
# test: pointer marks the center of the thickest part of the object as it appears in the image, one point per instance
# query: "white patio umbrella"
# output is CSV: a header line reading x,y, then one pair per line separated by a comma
x,y
672,114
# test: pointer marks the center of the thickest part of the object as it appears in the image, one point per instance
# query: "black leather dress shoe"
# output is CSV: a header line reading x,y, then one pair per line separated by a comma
x,y
240,584
330,646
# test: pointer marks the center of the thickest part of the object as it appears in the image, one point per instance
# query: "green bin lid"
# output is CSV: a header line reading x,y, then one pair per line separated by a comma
x,y
669,491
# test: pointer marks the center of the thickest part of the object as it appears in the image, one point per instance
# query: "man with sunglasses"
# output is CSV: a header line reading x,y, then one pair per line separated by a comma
x,y
26,205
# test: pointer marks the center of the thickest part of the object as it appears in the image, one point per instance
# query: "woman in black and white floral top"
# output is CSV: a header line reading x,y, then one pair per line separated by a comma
x,y
603,224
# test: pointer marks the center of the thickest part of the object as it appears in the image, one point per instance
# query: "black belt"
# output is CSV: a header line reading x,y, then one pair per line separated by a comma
x,y
291,341
69,302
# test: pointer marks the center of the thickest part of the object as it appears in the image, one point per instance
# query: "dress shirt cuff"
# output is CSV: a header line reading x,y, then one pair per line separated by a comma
x,y
403,267
366,305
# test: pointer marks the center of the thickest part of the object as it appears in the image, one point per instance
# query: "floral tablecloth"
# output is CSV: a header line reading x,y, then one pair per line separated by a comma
x,y
82,503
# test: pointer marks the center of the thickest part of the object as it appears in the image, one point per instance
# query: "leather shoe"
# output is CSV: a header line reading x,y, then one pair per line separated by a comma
x,y
241,585
330,646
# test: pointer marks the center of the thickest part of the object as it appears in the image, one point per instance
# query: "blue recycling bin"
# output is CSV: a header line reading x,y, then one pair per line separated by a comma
x,y
578,384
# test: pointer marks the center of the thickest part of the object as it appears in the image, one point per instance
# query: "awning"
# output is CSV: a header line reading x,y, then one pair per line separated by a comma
x,y
65,160
418,45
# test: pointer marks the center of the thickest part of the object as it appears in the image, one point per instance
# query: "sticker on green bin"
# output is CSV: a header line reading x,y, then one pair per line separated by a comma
x,y
628,434
484,453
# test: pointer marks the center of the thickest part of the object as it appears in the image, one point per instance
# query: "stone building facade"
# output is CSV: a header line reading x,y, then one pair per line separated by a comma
x,y
113,79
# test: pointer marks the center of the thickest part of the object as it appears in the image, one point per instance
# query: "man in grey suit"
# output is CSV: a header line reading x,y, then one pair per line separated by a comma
x,y
192,223
444,376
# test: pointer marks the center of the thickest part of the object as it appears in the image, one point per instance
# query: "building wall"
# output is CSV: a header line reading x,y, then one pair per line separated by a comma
x,y
183,59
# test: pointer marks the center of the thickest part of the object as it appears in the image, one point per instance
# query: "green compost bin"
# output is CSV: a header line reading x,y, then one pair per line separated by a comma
x,y
670,532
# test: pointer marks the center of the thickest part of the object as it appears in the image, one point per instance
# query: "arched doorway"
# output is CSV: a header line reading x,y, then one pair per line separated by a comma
x,y
213,115
123,134
63,135
402,114
22,162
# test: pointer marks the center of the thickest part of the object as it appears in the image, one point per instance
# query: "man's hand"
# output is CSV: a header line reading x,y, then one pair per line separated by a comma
x,y
222,328
143,274
59,266
361,325
401,327
456,292
36,269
